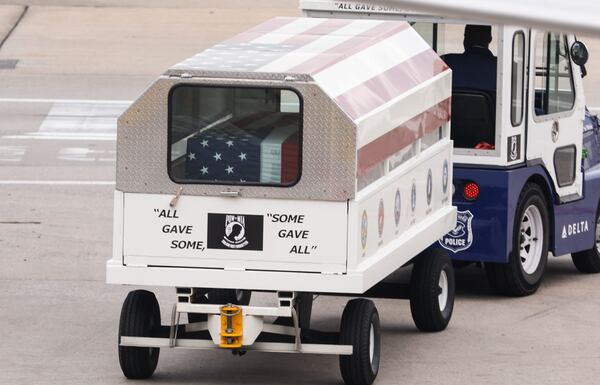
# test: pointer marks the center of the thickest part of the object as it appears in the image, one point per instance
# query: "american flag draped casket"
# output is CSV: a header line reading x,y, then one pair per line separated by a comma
x,y
256,148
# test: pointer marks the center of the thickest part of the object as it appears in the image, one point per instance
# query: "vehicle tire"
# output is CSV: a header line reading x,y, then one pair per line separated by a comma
x,y
140,317
588,261
233,296
432,291
360,328
527,261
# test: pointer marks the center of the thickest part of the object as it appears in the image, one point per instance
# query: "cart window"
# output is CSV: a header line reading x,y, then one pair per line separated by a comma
x,y
230,135
554,90
518,79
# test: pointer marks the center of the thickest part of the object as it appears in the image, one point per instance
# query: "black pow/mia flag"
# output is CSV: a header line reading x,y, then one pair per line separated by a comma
x,y
235,232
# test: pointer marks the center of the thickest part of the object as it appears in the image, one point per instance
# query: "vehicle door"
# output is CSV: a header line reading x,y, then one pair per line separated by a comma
x,y
556,113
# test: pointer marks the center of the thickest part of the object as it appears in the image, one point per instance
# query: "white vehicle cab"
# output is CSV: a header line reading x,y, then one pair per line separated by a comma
x,y
526,170
304,156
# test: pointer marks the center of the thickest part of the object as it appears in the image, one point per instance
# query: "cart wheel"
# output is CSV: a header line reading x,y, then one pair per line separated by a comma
x,y
589,261
225,296
360,328
523,273
140,316
432,291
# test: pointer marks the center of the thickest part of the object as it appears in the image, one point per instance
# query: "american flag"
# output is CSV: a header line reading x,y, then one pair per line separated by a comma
x,y
381,73
257,148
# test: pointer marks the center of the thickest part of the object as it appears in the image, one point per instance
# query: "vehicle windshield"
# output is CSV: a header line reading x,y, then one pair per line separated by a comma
x,y
229,135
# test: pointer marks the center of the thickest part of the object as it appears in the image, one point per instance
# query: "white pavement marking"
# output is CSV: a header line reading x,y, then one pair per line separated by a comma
x,y
58,182
72,119
85,154
59,136
65,101
11,153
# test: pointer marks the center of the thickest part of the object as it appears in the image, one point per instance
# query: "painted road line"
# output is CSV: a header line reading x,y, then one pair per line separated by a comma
x,y
62,136
65,101
11,153
94,120
75,118
58,182
86,154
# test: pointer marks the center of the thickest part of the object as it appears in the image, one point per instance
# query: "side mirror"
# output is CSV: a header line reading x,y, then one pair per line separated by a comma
x,y
579,53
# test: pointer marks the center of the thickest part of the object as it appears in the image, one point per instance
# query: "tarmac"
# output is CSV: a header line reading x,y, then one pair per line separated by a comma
x,y
79,63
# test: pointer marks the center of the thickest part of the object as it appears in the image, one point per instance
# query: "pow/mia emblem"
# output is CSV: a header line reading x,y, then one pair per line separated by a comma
x,y
380,218
364,229
429,187
235,232
397,207
445,176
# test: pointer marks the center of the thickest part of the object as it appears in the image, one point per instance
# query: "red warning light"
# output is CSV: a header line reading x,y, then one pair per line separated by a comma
x,y
471,191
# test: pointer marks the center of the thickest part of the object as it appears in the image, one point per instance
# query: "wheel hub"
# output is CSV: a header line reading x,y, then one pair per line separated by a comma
x,y
598,235
530,239
371,344
443,287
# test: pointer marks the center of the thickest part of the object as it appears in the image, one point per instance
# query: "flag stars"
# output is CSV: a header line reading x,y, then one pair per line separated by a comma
x,y
191,156
204,170
204,143
242,156
229,170
217,156
229,143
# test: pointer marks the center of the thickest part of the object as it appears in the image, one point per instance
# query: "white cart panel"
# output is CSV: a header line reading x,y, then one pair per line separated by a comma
x,y
235,233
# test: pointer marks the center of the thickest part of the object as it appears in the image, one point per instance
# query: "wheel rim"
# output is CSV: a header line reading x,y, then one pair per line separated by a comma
x,y
443,286
531,239
371,344
598,235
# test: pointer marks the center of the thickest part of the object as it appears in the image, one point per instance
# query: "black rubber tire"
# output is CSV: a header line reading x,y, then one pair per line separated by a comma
x,y
225,296
588,262
140,317
510,279
425,290
359,315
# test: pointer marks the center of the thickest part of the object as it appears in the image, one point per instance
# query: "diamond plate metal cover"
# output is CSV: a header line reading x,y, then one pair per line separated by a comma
x,y
328,145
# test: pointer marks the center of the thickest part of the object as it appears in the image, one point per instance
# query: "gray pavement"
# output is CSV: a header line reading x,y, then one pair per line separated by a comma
x,y
58,320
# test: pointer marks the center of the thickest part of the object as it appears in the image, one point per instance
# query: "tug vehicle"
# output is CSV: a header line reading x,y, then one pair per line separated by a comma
x,y
526,172
303,157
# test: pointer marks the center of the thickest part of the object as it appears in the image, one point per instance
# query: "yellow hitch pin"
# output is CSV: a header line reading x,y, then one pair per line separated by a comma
x,y
232,324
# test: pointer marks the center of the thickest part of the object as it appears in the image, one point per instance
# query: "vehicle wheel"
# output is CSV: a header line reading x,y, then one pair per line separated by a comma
x,y
523,273
140,317
432,291
233,296
589,261
360,328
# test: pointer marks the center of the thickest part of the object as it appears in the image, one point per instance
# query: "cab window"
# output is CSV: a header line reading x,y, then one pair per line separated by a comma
x,y
554,88
517,79
229,135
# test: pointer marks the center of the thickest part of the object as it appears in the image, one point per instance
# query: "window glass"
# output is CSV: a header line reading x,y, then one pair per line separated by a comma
x,y
234,135
450,39
554,90
427,32
518,78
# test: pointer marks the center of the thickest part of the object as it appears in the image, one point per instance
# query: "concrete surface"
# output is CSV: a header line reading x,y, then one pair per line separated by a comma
x,y
58,320
9,15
